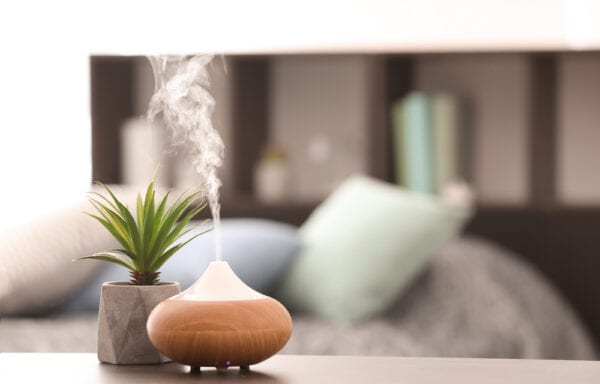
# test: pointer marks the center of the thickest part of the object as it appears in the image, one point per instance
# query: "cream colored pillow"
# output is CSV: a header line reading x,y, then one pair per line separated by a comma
x,y
36,260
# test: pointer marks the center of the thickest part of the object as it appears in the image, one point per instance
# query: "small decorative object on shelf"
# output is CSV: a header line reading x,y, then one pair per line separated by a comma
x,y
219,322
148,237
271,176
142,149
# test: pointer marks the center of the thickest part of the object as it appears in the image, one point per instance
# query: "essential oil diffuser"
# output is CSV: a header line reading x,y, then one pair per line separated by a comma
x,y
219,322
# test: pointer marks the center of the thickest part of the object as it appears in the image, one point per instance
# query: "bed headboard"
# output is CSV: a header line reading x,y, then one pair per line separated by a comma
x,y
562,242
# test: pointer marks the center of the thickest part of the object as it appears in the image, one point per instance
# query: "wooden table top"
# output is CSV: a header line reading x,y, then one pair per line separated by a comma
x,y
85,368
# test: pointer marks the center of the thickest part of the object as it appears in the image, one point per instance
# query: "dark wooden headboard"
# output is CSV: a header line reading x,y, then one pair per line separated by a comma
x,y
562,242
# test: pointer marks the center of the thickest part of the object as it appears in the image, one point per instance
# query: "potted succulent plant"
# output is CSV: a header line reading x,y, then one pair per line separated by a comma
x,y
148,235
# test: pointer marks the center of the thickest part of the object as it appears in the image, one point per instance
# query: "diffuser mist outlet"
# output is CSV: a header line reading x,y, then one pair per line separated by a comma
x,y
219,322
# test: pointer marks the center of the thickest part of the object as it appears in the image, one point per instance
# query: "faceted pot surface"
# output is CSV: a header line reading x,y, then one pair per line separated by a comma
x,y
122,318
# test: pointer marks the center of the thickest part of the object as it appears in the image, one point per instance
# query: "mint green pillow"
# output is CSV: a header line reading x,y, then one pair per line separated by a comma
x,y
363,245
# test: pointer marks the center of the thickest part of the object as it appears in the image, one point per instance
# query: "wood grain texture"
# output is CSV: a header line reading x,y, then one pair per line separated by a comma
x,y
219,333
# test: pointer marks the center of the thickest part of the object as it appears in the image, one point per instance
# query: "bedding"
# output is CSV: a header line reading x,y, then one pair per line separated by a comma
x,y
37,272
363,245
472,300
36,259
259,251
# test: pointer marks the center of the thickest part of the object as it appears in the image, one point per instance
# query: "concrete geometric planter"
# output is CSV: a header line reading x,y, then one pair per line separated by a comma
x,y
122,317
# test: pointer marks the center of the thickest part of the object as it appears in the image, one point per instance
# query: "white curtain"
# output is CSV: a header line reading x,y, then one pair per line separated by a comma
x,y
45,156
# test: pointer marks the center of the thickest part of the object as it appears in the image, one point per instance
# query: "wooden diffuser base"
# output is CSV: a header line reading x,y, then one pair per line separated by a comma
x,y
219,333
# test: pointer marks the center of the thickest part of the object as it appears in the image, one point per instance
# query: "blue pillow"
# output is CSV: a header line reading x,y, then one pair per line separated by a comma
x,y
259,251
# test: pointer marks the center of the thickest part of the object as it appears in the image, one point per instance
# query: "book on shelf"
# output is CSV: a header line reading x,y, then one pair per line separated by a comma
x,y
430,141
414,133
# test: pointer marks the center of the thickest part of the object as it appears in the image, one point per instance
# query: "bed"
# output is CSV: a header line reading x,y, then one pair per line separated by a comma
x,y
471,298
474,299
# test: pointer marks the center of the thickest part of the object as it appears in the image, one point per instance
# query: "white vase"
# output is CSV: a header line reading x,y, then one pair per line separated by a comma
x,y
142,150
271,181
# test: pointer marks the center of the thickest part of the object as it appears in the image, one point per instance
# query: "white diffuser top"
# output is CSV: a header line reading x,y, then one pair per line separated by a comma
x,y
219,283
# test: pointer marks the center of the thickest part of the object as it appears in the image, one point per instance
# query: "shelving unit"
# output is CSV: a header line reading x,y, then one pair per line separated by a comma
x,y
561,240
542,211
392,81
112,102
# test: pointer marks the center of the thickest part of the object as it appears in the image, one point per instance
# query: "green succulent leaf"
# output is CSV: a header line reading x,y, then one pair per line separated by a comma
x,y
150,235
171,251
113,257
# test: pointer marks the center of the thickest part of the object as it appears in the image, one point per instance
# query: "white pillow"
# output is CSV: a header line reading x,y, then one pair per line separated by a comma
x,y
37,269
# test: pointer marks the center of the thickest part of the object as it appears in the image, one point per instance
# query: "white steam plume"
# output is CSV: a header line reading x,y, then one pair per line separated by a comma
x,y
182,100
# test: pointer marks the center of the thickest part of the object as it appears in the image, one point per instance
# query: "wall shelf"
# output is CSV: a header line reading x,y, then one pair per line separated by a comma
x,y
393,77
559,239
